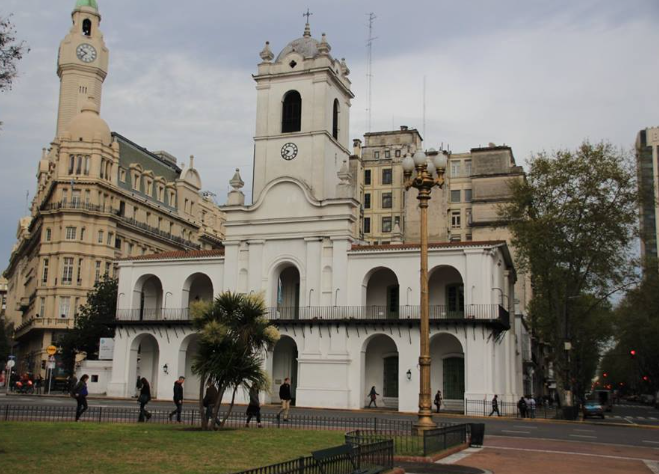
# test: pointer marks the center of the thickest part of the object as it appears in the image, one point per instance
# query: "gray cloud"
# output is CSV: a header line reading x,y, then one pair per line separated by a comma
x,y
533,74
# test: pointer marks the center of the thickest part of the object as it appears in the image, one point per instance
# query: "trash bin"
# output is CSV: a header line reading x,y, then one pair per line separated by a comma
x,y
477,434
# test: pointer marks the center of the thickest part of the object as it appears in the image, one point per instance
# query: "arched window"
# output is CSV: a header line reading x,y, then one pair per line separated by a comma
x,y
291,117
335,120
87,27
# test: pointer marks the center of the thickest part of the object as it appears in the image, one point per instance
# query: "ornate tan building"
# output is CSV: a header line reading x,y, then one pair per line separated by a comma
x,y
99,197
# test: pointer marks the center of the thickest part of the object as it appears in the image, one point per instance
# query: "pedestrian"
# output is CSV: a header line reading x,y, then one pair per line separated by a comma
x,y
80,394
38,383
438,400
143,399
254,407
210,400
178,399
521,407
495,406
531,407
373,395
285,397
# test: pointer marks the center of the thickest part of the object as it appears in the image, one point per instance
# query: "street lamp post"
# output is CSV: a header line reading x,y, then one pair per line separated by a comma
x,y
423,174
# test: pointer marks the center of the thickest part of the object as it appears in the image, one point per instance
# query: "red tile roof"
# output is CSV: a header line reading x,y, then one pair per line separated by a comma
x,y
431,245
178,254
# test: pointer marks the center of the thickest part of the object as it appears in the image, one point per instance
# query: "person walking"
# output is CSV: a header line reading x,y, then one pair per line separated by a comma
x,y
373,395
495,406
38,383
521,407
254,407
531,405
80,393
210,400
178,399
438,400
285,396
143,399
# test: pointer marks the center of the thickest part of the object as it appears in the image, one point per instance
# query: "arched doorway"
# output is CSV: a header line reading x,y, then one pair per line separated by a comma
x,y
382,294
143,362
448,369
197,287
187,352
446,293
284,364
147,298
381,369
287,293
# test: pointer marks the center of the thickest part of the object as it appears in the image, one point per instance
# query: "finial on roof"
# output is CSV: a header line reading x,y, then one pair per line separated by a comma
x,y
344,67
307,28
237,182
324,47
191,161
266,54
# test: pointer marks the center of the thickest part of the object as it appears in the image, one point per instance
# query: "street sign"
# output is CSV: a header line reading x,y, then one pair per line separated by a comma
x,y
11,357
11,363
51,365
51,359
51,350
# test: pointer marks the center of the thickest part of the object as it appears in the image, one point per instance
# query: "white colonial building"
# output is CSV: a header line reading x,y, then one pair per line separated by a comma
x,y
348,312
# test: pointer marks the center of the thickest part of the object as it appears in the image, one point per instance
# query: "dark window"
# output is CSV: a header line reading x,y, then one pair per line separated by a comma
x,y
117,243
397,153
455,195
335,120
87,27
94,378
376,155
386,224
367,225
291,120
367,201
387,154
386,176
367,177
467,195
386,201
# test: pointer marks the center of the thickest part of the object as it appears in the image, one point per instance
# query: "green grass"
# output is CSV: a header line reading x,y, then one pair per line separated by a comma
x,y
86,448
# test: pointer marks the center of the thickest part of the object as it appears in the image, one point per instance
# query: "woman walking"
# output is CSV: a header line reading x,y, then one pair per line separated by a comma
x,y
438,400
80,393
143,399
254,407
373,396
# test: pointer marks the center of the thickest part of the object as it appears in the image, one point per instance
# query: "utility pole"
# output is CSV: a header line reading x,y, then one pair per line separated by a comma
x,y
369,67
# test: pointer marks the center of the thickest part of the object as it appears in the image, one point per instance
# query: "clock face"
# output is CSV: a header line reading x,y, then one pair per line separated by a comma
x,y
289,151
86,53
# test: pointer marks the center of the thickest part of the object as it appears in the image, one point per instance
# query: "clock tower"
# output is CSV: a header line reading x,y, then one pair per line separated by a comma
x,y
82,64
302,116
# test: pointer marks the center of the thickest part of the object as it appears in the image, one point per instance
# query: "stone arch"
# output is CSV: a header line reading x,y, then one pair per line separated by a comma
x,y
381,294
447,371
446,292
148,298
380,368
197,287
284,364
187,350
291,112
286,289
143,361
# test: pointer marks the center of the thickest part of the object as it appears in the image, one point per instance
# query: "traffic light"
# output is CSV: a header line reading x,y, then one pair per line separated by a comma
x,y
645,378
632,353
605,374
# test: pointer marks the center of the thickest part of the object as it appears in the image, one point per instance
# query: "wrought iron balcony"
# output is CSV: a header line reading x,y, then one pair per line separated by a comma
x,y
470,313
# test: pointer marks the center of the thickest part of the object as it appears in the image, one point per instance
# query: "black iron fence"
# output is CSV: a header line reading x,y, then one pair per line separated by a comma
x,y
372,458
510,409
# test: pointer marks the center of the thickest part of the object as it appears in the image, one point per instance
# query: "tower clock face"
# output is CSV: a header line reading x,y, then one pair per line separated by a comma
x,y
86,53
289,151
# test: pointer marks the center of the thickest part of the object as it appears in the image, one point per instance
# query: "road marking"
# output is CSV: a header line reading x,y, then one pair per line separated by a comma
x,y
585,431
515,431
651,442
653,466
628,419
583,436
652,418
528,427
453,458
551,451
640,418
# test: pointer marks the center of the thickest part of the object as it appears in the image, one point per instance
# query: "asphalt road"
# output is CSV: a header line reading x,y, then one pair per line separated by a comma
x,y
625,433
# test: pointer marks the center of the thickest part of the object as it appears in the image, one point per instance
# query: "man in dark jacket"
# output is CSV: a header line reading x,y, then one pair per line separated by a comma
x,y
285,396
178,399
210,400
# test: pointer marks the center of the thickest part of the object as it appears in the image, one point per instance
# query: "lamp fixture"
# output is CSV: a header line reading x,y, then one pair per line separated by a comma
x,y
165,368
409,374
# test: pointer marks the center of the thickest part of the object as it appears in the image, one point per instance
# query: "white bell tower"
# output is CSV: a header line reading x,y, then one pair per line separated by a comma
x,y
82,64
302,117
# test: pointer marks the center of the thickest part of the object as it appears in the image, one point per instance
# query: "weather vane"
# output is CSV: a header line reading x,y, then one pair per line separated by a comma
x,y
307,14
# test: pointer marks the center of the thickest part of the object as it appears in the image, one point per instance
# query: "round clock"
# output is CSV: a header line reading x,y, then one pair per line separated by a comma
x,y
289,151
86,53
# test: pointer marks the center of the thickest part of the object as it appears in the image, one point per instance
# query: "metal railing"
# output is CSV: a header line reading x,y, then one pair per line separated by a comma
x,y
373,458
474,312
510,409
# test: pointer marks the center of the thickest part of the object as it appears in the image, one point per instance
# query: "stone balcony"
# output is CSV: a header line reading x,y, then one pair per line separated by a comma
x,y
42,323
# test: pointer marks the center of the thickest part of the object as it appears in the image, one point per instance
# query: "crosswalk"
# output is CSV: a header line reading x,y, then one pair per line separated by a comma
x,y
645,407
641,418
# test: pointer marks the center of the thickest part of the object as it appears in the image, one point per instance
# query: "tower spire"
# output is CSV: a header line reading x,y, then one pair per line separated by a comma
x,y
307,28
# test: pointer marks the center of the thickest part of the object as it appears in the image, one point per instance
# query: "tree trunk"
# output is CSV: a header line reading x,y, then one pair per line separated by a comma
x,y
233,399
202,409
216,409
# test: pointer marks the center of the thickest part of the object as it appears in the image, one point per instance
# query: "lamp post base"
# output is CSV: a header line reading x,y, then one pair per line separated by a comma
x,y
424,423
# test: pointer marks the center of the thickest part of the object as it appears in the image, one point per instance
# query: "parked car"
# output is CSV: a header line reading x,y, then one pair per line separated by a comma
x,y
647,399
592,408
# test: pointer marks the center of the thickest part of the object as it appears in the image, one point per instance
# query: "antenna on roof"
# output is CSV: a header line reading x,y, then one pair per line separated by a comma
x,y
369,66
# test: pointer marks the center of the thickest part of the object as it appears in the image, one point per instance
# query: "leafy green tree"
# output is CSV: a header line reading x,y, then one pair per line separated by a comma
x,y
6,330
92,323
573,223
233,337
11,51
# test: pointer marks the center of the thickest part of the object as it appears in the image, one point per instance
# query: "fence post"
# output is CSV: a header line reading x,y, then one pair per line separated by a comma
x,y
100,414
375,424
6,412
300,465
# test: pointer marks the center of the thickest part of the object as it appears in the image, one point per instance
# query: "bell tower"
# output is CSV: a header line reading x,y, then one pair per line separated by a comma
x,y
82,64
302,116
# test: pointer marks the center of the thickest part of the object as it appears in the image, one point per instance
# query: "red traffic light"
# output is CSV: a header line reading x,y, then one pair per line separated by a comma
x,y
645,377
632,353
605,374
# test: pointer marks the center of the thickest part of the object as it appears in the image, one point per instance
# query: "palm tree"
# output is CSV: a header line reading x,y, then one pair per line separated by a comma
x,y
234,336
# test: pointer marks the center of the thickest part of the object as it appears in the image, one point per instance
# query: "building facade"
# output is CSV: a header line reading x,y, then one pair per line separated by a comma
x,y
647,162
348,311
99,197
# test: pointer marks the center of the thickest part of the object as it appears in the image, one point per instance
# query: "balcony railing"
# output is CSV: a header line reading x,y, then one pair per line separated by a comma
x,y
43,323
472,312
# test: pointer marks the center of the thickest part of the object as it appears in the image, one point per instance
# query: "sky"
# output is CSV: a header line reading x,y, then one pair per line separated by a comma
x,y
536,75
